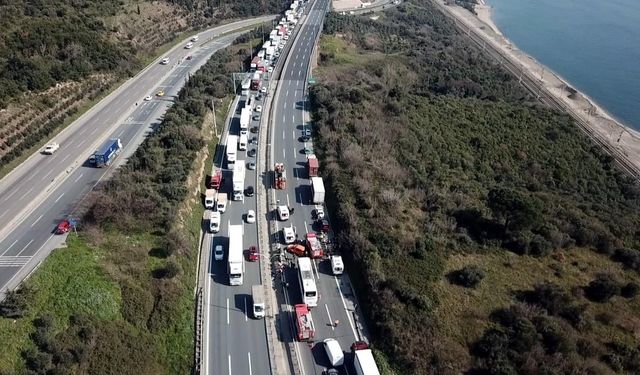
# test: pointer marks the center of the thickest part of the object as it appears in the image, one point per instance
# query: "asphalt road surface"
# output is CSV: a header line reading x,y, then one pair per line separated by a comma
x,y
235,342
337,301
45,189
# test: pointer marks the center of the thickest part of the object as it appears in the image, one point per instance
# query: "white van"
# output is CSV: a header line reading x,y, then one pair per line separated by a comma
x,y
209,197
221,202
242,142
283,213
214,222
334,352
257,295
337,266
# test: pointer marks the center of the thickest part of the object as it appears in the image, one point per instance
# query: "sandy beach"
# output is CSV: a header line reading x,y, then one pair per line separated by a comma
x,y
604,126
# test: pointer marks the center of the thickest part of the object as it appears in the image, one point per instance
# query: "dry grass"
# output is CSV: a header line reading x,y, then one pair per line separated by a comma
x,y
462,313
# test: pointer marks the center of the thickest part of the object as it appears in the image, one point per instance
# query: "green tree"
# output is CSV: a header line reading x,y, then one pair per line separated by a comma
x,y
516,210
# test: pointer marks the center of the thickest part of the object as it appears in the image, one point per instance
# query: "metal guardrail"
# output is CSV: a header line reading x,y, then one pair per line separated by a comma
x,y
199,333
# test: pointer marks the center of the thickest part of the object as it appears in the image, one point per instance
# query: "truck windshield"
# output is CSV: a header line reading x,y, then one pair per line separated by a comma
x,y
258,308
310,294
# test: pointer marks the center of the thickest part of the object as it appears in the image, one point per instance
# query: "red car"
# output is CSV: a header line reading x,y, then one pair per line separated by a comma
x,y
359,345
253,254
63,227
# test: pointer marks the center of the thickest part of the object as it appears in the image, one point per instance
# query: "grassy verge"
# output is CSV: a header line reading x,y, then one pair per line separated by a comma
x,y
69,281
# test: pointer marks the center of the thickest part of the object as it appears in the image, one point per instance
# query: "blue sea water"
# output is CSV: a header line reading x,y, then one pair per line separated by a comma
x,y
593,44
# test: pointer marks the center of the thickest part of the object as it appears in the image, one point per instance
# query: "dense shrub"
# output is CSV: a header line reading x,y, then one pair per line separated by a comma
x,y
602,288
469,276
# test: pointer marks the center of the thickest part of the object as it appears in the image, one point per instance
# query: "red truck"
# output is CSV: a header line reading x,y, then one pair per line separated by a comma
x,y
304,321
216,180
256,81
314,246
312,166
281,177
255,62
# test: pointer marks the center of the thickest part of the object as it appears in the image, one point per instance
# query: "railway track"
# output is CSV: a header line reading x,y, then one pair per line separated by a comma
x,y
537,88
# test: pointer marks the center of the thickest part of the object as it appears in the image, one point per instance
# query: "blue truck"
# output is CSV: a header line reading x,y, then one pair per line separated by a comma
x,y
106,153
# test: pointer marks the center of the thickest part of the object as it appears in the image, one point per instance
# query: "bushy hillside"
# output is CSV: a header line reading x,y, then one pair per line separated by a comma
x,y
57,56
487,232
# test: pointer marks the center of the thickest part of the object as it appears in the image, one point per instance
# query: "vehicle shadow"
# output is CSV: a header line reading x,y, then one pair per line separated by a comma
x,y
242,302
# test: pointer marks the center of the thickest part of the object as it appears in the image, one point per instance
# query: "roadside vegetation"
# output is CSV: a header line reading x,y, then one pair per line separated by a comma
x,y
56,57
484,232
120,297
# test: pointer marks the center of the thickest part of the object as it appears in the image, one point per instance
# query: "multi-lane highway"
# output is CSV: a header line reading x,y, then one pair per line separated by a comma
x,y
234,342
44,189
290,118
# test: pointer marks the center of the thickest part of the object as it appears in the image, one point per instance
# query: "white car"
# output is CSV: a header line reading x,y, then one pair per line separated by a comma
x,y
189,45
258,108
218,253
51,148
283,213
270,69
165,61
286,37
148,98
277,54
263,90
194,38
251,216
334,352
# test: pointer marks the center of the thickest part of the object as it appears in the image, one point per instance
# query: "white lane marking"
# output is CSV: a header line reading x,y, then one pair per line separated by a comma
x,y
79,144
48,173
9,248
355,335
246,311
65,158
9,196
119,134
293,119
333,328
315,268
294,151
282,133
229,364
299,73
249,359
283,120
79,177
293,134
288,205
284,154
56,201
38,219
228,313
25,247
285,105
287,93
297,83
306,228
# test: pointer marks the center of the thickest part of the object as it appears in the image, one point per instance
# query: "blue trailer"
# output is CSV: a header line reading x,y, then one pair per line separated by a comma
x,y
106,153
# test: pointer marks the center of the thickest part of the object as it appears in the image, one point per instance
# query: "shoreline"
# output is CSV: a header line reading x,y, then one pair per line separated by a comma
x,y
619,136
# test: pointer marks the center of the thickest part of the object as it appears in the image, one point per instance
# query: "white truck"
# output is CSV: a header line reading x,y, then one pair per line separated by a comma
x,y
232,149
289,235
245,119
364,363
246,86
270,51
242,142
221,202
317,189
238,180
235,264
209,198
257,295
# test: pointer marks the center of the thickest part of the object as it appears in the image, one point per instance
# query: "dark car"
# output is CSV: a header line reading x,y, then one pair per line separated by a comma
x,y
252,152
305,138
254,129
249,191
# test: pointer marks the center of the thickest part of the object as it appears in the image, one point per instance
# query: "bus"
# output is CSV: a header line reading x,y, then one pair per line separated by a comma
x,y
307,282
